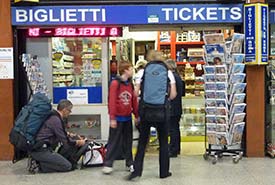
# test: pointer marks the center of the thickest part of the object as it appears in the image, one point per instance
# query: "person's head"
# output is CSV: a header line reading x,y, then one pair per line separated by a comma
x,y
64,108
217,61
140,64
154,55
125,68
171,64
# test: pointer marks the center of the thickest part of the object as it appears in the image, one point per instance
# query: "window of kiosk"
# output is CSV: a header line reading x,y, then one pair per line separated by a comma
x,y
77,69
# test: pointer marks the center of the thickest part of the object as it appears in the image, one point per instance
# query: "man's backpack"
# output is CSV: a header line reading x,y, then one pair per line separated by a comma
x,y
29,121
154,105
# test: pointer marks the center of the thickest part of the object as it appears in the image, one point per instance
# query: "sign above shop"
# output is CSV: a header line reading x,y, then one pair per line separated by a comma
x,y
127,14
256,33
75,32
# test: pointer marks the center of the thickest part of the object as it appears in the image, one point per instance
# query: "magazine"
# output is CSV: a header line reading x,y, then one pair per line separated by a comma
x,y
237,43
217,59
222,138
221,69
215,38
221,128
210,86
209,69
237,118
211,127
237,133
237,108
237,68
221,77
238,58
237,98
210,110
211,138
221,111
237,88
237,78
221,86
221,119
210,119
209,77
214,49
221,95
210,102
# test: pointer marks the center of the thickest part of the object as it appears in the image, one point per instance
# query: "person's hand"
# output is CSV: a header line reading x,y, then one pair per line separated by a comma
x,y
113,124
136,121
80,142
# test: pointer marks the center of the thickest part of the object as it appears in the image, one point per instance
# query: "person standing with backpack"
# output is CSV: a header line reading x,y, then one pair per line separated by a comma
x,y
51,133
176,111
157,87
122,103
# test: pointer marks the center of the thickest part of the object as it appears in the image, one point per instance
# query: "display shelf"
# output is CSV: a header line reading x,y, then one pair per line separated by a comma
x,y
191,63
190,43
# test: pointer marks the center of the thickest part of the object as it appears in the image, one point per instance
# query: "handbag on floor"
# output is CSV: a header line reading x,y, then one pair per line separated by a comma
x,y
94,155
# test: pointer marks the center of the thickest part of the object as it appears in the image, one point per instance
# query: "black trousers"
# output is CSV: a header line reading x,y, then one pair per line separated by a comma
x,y
174,128
124,133
162,129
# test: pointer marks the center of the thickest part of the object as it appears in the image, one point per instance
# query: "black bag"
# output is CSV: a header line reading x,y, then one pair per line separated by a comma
x,y
154,113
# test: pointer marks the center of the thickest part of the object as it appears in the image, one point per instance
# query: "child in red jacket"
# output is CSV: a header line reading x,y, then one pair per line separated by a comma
x,y
122,103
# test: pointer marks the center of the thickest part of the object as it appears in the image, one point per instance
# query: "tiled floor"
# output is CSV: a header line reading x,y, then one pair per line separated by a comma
x,y
187,170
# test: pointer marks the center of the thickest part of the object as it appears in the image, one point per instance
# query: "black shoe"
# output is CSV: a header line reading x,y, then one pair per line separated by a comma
x,y
165,176
172,155
33,166
133,176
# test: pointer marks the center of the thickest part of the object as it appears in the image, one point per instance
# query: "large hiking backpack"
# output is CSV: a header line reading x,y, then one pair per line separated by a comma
x,y
29,121
154,105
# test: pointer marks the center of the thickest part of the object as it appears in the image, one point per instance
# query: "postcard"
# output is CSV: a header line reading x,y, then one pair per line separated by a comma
x,y
238,58
221,77
221,86
214,49
221,94
210,102
210,86
237,108
237,78
211,127
221,111
221,103
210,110
237,68
209,69
217,59
222,138
228,46
237,118
237,43
237,133
221,127
209,77
238,88
221,69
210,119
220,119
211,138
215,38
237,98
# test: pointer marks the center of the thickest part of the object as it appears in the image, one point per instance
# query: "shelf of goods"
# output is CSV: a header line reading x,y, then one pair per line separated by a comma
x,y
192,125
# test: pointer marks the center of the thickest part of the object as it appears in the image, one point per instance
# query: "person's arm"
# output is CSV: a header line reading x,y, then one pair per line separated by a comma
x,y
173,88
112,103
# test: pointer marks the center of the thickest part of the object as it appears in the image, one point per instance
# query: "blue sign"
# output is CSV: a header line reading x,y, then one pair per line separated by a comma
x,y
127,14
272,17
250,33
264,28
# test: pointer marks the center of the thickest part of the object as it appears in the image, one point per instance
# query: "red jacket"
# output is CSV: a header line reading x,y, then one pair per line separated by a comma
x,y
122,100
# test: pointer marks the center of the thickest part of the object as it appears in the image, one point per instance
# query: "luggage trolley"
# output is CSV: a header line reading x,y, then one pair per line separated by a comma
x,y
224,97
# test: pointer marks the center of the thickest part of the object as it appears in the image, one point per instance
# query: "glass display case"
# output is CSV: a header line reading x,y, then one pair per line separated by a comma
x,y
192,124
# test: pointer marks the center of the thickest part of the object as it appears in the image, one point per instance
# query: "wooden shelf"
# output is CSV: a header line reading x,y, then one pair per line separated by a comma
x,y
190,43
164,43
191,63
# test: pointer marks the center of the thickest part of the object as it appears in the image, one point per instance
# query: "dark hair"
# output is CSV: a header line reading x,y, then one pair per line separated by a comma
x,y
124,65
64,104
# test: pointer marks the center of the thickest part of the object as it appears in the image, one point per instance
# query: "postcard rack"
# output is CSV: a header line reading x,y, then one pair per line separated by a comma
x,y
225,85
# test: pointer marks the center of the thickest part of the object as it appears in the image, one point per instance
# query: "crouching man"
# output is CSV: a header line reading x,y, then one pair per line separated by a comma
x,y
43,157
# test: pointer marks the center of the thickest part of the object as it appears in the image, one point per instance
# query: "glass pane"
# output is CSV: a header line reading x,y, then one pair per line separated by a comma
x,y
76,62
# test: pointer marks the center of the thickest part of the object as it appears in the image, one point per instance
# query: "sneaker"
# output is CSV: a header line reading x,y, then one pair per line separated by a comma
x,y
133,177
130,168
33,166
169,174
107,170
